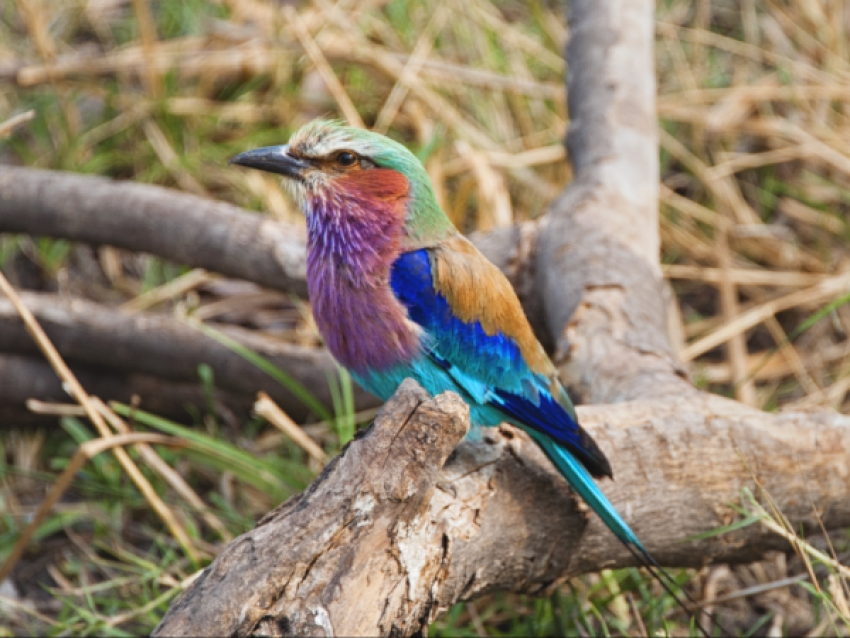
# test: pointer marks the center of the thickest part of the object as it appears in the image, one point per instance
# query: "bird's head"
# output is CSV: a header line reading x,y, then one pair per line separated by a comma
x,y
326,161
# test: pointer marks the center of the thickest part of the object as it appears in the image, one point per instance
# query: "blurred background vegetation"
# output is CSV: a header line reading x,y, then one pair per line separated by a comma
x,y
755,153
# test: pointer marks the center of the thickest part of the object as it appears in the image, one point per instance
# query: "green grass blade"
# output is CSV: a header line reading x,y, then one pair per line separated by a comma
x,y
284,379
245,466
749,520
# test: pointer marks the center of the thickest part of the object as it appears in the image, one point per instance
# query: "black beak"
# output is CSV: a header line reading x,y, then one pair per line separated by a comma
x,y
273,159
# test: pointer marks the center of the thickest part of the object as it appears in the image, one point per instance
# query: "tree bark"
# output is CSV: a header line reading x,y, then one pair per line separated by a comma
x,y
184,228
28,377
384,540
604,292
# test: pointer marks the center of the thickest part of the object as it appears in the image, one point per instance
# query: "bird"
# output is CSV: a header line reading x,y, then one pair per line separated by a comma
x,y
398,292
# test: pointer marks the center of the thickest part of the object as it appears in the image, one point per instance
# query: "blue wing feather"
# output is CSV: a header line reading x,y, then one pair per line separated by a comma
x,y
489,368
492,359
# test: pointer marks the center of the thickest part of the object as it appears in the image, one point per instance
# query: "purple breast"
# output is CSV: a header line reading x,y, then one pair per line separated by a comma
x,y
350,250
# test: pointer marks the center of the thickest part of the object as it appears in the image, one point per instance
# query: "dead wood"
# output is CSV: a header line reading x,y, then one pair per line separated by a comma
x,y
382,542
183,228
604,302
24,377
160,346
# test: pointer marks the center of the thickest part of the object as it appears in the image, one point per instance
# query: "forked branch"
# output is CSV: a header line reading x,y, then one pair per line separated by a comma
x,y
384,541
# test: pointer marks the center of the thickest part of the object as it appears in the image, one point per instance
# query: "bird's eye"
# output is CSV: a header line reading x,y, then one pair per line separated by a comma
x,y
346,159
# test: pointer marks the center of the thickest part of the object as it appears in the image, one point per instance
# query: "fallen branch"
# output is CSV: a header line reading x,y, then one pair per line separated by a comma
x,y
383,541
160,346
24,377
184,228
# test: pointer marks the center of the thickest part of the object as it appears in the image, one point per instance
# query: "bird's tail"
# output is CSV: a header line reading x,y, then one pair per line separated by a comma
x,y
581,481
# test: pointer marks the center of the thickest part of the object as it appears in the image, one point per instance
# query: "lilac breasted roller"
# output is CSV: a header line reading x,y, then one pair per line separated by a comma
x,y
398,292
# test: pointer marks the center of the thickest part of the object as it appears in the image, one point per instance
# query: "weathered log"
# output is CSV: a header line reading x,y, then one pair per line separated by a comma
x,y
184,228
384,541
29,377
160,346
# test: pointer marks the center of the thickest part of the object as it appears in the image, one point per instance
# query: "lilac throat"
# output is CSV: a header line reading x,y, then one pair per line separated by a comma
x,y
351,247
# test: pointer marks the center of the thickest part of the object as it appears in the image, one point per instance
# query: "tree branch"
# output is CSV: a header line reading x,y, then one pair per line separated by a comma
x,y
184,228
24,377
382,542
604,302
91,334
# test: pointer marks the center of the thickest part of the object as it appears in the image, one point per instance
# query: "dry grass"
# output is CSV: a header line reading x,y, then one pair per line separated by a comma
x,y
755,189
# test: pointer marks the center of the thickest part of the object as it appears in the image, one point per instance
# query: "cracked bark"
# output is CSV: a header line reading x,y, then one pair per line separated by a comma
x,y
393,537
357,531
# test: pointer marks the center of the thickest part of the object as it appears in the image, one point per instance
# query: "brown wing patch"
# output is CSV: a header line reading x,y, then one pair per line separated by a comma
x,y
478,291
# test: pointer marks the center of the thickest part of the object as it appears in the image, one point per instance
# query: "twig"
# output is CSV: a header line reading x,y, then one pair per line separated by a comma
x,y
750,591
12,123
819,293
736,347
802,546
169,158
86,451
6,601
56,409
636,615
178,286
324,69
411,68
171,476
744,276
114,621
147,30
269,410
